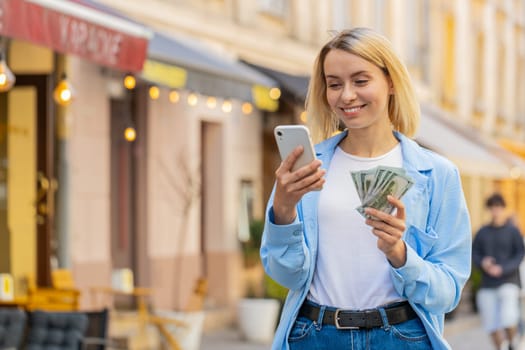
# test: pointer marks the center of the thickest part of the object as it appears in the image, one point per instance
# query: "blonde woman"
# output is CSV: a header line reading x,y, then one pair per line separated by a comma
x,y
357,283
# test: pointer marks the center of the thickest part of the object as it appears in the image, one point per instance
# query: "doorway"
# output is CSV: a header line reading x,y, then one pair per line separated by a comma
x,y
128,185
212,208
123,198
27,180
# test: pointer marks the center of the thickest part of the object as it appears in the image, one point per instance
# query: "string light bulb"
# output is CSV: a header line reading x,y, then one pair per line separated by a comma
x,y
7,78
130,134
64,92
193,99
275,93
154,92
247,108
130,82
303,116
174,96
211,102
227,106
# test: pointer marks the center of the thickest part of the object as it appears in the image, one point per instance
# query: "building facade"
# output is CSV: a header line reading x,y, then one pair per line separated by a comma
x,y
145,176
168,205
466,59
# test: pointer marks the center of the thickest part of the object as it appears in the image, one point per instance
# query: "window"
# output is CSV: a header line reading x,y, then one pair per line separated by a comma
x,y
340,14
276,8
245,210
520,81
479,69
449,53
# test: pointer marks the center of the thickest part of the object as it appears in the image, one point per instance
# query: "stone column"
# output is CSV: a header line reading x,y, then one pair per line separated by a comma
x,y
463,60
489,68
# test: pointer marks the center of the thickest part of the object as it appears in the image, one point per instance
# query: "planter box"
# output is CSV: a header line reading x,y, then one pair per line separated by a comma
x,y
258,319
190,337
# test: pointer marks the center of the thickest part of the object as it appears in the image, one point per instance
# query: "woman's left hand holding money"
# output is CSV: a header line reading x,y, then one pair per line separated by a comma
x,y
389,230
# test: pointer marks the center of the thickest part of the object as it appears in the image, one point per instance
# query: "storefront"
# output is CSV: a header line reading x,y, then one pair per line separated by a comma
x,y
200,136
41,41
484,165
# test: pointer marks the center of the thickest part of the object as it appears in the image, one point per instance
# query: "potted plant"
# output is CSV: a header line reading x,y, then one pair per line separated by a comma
x,y
258,311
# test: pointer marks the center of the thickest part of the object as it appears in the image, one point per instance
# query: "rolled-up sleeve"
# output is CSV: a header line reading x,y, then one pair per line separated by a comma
x,y
284,254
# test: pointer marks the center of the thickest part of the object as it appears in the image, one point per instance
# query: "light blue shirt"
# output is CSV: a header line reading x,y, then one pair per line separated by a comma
x,y
438,239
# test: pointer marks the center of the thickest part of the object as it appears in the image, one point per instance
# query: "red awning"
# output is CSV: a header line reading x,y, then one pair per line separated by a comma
x,y
72,28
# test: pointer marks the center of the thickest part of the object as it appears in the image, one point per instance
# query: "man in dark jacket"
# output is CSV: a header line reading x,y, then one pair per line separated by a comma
x,y
498,250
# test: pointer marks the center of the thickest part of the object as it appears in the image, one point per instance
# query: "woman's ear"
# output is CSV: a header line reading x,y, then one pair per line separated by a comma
x,y
390,86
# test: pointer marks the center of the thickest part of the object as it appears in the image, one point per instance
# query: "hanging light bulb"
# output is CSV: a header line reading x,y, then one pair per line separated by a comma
x,y
130,134
130,82
174,96
247,108
303,116
154,92
211,102
227,106
275,93
7,78
193,99
64,92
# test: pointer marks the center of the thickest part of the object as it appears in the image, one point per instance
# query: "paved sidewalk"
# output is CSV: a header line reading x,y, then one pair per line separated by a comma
x,y
464,332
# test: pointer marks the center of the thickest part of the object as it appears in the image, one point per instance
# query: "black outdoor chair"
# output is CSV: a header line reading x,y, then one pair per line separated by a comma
x,y
12,327
55,330
96,336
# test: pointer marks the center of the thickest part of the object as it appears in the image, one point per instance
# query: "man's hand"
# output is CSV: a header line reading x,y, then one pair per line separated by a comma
x,y
488,264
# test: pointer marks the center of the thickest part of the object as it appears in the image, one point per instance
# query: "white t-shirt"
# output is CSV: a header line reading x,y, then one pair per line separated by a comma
x,y
351,272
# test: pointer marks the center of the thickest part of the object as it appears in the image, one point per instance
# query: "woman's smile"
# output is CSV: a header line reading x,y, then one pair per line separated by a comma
x,y
353,111
357,90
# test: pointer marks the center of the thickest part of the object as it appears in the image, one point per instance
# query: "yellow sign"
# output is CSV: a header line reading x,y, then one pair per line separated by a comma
x,y
262,98
164,74
6,292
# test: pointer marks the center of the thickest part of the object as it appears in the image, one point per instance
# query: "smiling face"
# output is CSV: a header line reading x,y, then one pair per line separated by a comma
x,y
357,90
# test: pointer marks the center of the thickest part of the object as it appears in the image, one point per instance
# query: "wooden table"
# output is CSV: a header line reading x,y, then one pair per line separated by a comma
x,y
141,294
20,302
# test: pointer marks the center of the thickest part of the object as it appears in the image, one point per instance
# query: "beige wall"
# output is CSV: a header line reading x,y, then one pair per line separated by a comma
x,y
88,154
174,232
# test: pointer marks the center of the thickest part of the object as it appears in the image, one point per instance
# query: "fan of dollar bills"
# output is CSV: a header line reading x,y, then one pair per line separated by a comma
x,y
374,185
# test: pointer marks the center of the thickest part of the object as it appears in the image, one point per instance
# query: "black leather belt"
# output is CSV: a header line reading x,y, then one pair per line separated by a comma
x,y
349,319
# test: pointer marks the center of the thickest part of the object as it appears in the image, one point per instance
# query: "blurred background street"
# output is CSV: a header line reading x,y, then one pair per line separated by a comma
x,y
137,149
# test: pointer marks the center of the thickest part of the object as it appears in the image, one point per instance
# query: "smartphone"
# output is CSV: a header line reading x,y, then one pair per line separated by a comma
x,y
290,136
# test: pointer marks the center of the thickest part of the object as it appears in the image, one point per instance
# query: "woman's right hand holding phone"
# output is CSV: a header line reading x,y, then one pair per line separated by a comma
x,y
291,186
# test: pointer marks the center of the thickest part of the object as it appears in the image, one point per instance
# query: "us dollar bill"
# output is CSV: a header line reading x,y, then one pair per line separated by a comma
x,y
375,185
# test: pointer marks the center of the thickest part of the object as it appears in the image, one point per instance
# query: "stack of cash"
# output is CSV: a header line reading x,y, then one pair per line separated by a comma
x,y
374,185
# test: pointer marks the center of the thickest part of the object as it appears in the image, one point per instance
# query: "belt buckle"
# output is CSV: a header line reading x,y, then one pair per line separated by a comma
x,y
336,321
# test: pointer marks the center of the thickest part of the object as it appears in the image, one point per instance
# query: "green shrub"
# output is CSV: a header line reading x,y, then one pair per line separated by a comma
x,y
274,290
252,257
251,247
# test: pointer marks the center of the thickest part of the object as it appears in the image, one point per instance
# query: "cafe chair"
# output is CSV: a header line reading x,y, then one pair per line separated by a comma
x,y
96,336
12,326
55,330
62,296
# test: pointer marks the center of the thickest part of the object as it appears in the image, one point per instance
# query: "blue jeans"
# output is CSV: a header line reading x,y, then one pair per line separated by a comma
x,y
307,334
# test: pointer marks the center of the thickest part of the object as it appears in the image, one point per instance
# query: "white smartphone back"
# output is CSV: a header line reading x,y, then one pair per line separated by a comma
x,y
288,137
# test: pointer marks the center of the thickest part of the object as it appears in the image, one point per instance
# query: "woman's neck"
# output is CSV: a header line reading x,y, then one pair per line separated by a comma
x,y
363,143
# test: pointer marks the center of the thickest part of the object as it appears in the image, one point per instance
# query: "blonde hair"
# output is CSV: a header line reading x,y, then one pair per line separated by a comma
x,y
403,107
